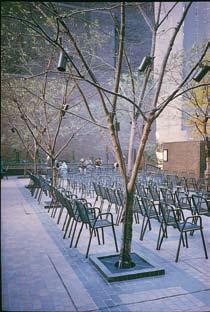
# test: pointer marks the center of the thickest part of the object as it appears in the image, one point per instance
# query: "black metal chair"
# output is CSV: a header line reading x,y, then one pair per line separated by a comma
x,y
183,201
188,225
149,212
167,196
113,200
94,220
171,216
166,219
200,204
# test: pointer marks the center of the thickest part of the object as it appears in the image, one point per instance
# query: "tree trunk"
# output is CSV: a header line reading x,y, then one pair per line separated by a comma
x,y
54,172
35,158
125,260
206,146
131,144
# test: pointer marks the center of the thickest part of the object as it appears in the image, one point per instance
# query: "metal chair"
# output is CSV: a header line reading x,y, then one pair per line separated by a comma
x,y
94,220
200,204
149,211
166,219
171,216
188,225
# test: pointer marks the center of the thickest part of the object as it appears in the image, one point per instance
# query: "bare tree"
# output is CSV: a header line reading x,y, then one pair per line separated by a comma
x,y
109,98
40,106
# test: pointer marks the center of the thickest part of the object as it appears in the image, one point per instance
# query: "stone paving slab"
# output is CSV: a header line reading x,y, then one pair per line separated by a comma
x,y
41,273
35,275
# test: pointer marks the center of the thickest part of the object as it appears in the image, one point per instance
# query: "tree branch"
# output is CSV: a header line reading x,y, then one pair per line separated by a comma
x,y
161,107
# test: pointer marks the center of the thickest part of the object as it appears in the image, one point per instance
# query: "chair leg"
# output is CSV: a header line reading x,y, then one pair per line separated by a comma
x,y
66,218
178,250
91,234
95,200
60,214
204,245
101,205
150,227
75,227
108,208
67,226
36,193
115,239
119,216
40,196
158,241
102,232
143,229
186,239
80,231
97,233
163,235
71,228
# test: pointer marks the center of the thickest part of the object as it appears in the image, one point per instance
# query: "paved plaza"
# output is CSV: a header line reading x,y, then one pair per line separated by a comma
x,y
41,273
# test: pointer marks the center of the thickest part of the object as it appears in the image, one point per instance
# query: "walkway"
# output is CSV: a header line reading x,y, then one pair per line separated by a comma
x,y
41,273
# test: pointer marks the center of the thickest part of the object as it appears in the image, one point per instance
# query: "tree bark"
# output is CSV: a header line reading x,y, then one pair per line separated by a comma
x,y
130,148
54,172
125,260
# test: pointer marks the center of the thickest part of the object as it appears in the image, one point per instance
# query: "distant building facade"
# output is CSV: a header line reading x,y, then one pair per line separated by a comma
x,y
171,126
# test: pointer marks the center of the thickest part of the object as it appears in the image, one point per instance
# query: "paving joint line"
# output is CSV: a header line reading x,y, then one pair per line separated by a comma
x,y
192,266
155,299
64,285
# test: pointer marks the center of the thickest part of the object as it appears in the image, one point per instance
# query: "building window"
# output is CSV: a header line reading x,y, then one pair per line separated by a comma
x,y
165,155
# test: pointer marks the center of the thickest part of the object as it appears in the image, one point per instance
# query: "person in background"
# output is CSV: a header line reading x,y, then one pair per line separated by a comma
x,y
89,164
82,165
116,166
98,162
63,170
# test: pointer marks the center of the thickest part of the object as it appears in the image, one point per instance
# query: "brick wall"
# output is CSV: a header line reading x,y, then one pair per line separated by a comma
x,y
185,158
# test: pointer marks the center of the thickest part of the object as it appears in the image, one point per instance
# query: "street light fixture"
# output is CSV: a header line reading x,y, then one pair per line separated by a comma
x,y
201,72
146,62
64,109
62,62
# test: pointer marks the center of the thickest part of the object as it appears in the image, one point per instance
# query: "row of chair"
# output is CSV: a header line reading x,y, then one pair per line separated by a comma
x,y
161,204
78,212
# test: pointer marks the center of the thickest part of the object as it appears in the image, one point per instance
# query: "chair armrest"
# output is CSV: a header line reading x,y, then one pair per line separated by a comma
x,y
194,217
104,214
88,204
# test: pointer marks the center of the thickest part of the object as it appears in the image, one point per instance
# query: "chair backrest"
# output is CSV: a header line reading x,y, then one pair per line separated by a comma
x,y
140,189
137,205
113,199
182,200
103,192
121,197
71,208
200,204
154,193
167,196
96,189
83,212
148,208
167,213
